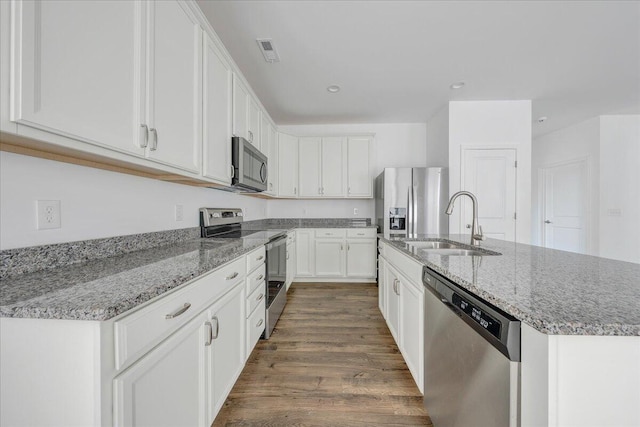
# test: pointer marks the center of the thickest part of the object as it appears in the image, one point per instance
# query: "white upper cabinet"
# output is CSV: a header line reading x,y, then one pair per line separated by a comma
x,y
240,109
174,104
333,167
322,167
216,115
76,70
359,180
122,75
253,122
287,165
272,160
309,152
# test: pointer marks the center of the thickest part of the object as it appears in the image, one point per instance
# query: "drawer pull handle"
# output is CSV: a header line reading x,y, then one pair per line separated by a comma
x,y
214,331
260,297
178,312
209,333
259,323
233,276
260,277
260,258
327,234
360,234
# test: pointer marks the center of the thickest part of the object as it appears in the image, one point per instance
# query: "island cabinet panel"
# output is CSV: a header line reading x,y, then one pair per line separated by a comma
x,y
561,375
402,305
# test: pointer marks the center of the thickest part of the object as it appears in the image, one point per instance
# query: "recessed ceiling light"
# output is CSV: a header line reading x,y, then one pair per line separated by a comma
x,y
334,88
542,119
457,85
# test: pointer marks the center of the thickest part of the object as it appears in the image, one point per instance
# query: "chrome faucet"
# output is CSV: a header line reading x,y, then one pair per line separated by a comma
x,y
476,230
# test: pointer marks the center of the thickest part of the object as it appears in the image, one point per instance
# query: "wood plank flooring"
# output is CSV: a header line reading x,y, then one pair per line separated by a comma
x,y
331,361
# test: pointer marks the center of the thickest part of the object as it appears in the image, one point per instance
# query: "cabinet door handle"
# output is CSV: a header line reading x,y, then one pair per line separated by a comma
x,y
179,311
154,142
341,247
259,323
232,276
295,190
250,136
349,190
209,337
216,330
348,247
233,171
260,258
145,137
260,277
260,297
319,190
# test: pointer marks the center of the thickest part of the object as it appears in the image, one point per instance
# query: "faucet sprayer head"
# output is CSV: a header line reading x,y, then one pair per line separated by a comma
x,y
449,210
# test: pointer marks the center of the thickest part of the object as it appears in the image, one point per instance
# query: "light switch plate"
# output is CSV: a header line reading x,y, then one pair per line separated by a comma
x,y
48,212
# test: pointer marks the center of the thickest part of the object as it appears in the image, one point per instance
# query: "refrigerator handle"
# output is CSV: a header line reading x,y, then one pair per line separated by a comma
x,y
410,211
414,215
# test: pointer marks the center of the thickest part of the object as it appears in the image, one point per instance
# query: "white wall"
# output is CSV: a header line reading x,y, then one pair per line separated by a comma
x,y
438,139
394,145
575,142
620,187
97,203
493,124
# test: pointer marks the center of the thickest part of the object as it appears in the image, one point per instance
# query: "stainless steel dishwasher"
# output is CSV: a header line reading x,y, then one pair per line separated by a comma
x,y
471,358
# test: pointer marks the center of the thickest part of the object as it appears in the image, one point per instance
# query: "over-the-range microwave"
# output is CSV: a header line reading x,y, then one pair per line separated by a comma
x,y
249,166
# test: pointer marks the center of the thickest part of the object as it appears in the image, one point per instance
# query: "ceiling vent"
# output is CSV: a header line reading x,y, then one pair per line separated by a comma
x,y
268,50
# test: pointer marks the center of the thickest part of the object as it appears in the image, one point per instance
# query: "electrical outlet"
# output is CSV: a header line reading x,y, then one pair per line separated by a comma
x,y
355,211
179,213
48,212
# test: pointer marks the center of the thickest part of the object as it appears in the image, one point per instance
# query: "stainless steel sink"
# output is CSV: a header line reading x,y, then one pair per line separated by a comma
x,y
447,248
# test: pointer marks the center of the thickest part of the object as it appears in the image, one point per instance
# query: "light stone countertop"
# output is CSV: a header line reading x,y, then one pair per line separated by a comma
x,y
555,292
105,287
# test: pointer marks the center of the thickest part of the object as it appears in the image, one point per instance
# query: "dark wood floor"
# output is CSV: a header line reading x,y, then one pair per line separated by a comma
x,y
330,362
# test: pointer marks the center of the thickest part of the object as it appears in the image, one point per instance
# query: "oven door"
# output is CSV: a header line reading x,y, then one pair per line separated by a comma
x,y
276,289
249,166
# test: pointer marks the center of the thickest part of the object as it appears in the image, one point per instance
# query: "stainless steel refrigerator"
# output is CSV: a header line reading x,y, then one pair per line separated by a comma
x,y
412,201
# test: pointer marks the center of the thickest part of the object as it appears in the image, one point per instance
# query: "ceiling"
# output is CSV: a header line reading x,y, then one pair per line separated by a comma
x,y
395,60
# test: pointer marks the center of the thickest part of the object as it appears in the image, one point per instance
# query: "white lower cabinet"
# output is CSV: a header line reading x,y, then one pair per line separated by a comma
x,y
401,302
225,348
305,253
327,254
361,257
329,257
167,386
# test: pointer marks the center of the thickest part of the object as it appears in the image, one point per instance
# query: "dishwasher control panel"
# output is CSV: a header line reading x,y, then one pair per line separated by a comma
x,y
477,314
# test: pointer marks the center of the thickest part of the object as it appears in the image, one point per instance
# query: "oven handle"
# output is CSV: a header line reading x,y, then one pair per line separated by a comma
x,y
278,241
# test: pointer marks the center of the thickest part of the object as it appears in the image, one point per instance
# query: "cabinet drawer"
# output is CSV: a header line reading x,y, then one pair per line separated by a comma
x,y
138,332
255,258
255,327
410,268
256,299
255,279
362,233
330,232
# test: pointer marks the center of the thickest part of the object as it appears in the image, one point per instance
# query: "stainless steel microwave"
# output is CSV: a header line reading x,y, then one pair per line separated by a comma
x,y
249,166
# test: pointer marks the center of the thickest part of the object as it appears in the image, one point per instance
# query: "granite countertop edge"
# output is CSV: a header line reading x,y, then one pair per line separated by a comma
x,y
528,317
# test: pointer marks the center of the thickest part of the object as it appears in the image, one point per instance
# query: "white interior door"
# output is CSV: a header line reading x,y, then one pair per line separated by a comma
x,y
564,206
491,176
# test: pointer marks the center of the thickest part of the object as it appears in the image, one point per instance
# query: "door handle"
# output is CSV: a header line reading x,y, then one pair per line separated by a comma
x,y
209,337
154,145
179,311
547,222
216,330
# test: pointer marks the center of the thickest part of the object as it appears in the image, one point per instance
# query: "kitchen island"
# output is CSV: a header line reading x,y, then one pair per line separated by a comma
x,y
580,325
